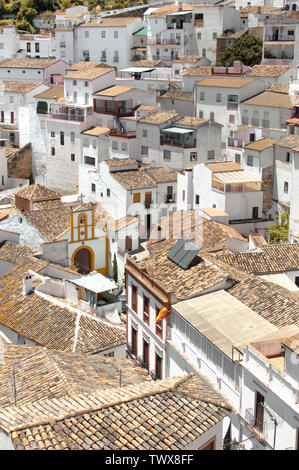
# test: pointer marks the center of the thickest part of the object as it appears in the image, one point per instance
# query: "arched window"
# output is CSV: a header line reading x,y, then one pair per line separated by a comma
x,y
42,107
82,227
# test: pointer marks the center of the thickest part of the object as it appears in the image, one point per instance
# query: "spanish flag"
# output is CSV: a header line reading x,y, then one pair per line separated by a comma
x,y
162,314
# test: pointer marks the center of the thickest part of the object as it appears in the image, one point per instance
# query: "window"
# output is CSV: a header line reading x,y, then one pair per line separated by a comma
x,y
212,117
2,116
250,160
75,97
87,34
86,142
288,157
2,180
86,98
211,154
85,84
134,341
12,117
228,188
146,306
291,33
159,326
237,158
144,133
53,134
144,150
103,34
197,199
108,192
93,188
116,56
74,82
214,36
73,157
37,47
11,99
204,52
115,35
199,36
167,155
114,145
145,354
103,58
28,47
177,72
89,160
218,97
124,146
136,197
193,156
86,56
61,138
286,187
134,298
52,150
183,195
1,45
110,354
200,114
231,119
202,96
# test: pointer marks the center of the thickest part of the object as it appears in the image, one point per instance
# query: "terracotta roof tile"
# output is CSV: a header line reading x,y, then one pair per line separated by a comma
x,y
271,99
160,117
20,87
225,82
54,92
267,70
36,192
134,179
28,63
13,252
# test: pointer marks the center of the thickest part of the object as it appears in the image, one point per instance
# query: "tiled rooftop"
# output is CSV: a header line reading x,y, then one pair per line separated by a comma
x,y
162,175
225,82
54,92
47,323
178,95
50,222
270,259
261,144
272,100
290,142
162,415
160,117
36,192
20,87
10,251
267,70
28,63
134,179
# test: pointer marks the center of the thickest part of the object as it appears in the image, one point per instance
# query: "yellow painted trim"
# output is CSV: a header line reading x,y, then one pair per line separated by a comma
x,y
84,216
91,256
63,233
72,226
92,219
89,239
105,269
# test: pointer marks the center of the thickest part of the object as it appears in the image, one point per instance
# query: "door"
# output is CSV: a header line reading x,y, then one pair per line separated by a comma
x,y
128,244
134,341
255,212
259,411
158,371
146,354
82,261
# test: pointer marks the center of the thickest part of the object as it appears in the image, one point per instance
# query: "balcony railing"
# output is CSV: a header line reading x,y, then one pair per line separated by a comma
x,y
256,427
169,199
234,142
116,133
165,42
232,105
175,143
273,38
68,117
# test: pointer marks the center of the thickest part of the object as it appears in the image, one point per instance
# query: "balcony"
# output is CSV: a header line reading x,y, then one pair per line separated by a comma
x,y
234,142
172,142
232,105
280,38
165,42
114,132
169,199
257,428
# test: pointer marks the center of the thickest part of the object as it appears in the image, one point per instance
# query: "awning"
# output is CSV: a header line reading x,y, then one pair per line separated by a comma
x,y
95,282
229,177
137,69
178,130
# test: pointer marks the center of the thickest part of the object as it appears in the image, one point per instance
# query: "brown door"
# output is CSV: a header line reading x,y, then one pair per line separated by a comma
x,y
82,261
134,341
259,412
148,200
145,354
128,243
158,371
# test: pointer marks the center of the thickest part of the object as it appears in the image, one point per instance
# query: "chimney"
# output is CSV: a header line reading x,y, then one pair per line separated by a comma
x,y
27,284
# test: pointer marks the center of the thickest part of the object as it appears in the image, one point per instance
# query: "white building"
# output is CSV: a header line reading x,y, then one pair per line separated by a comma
x,y
108,40
16,96
9,42
218,99
38,46
48,71
168,140
268,110
223,185
271,74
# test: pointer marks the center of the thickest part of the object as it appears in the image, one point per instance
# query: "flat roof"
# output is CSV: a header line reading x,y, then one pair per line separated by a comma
x,y
178,130
95,282
225,82
137,69
236,177
114,91
224,320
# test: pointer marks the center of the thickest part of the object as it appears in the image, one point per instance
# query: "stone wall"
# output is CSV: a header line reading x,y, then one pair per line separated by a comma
x,y
19,164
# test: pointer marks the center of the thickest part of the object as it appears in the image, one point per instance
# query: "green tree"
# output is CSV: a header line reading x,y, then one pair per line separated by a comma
x,y
247,49
115,269
24,25
279,232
